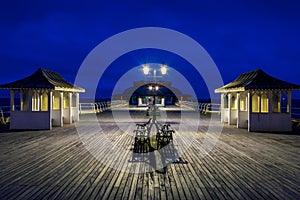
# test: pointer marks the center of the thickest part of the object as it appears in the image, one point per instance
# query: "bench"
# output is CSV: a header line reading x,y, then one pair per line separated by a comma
x,y
165,133
143,125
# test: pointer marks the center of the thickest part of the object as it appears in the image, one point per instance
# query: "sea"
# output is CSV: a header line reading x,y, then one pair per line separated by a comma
x,y
5,107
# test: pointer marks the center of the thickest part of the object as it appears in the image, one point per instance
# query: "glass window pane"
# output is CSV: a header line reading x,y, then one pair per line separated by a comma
x,y
56,101
225,101
284,103
276,103
243,103
233,102
255,103
44,102
66,100
264,103
25,101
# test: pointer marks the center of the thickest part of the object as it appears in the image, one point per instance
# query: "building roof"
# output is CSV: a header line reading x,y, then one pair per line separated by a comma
x,y
43,79
257,80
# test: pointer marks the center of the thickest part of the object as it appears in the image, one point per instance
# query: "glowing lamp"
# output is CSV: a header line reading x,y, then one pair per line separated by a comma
x,y
146,69
163,69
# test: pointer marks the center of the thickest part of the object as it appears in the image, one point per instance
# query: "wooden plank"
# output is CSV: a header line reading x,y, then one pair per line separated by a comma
x,y
55,165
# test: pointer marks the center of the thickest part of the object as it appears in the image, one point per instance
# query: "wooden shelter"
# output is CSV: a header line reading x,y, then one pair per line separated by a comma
x,y
257,101
42,100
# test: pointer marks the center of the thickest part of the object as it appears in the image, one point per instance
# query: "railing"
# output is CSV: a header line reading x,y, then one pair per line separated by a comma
x,y
201,107
98,107
215,108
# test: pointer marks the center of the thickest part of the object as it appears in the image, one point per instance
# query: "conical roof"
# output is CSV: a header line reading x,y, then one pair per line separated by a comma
x,y
43,79
257,80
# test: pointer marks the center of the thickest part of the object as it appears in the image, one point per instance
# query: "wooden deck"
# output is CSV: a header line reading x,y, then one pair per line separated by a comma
x,y
56,165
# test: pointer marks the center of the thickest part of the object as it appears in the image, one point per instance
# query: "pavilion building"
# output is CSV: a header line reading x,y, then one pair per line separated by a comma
x,y
258,102
42,100
140,94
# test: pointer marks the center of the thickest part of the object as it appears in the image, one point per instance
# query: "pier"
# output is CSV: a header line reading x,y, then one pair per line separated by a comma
x,y
54,164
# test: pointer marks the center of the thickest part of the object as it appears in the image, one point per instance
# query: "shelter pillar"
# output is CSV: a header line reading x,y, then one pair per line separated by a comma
x,y
222,108
12,100
61,99
249,110
70,107
38,96
77,107
21,101
238,109
229,109
289,109
50,102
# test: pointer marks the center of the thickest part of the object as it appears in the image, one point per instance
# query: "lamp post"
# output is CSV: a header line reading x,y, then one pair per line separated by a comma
x,y
154,87
146,71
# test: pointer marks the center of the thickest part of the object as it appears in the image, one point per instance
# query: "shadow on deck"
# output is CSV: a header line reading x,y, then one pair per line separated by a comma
x,y
56,165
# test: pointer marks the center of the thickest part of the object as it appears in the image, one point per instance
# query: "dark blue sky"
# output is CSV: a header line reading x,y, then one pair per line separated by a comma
x,y
239,35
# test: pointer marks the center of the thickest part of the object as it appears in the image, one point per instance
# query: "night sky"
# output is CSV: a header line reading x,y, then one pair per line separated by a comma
x,y
240,36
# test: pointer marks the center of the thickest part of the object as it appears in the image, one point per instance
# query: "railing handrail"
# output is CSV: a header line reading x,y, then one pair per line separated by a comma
x,y
100,106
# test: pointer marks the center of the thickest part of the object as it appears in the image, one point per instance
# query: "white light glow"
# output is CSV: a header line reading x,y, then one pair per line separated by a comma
x,y
146,69
156,87
150,87
163,69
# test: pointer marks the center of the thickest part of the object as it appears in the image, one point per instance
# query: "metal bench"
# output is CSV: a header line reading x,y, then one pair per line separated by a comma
x,y
165,133
142,136
143,125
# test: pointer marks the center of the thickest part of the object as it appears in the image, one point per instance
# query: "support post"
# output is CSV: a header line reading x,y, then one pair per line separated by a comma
x,y
249,111
61,109
21,101
50,103
229,109
70,108
77,106
12,100
289,106
238,110
222,108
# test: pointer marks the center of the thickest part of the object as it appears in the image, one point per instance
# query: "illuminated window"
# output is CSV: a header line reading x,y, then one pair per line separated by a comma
x,y
233,102
66,100
276,103
35,101
243,103
255,103
44,102
284,103
56,101
264,103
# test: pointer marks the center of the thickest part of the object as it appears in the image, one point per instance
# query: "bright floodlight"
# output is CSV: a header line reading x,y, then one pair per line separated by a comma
x,y
156,87
146,69
163,69
150,87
